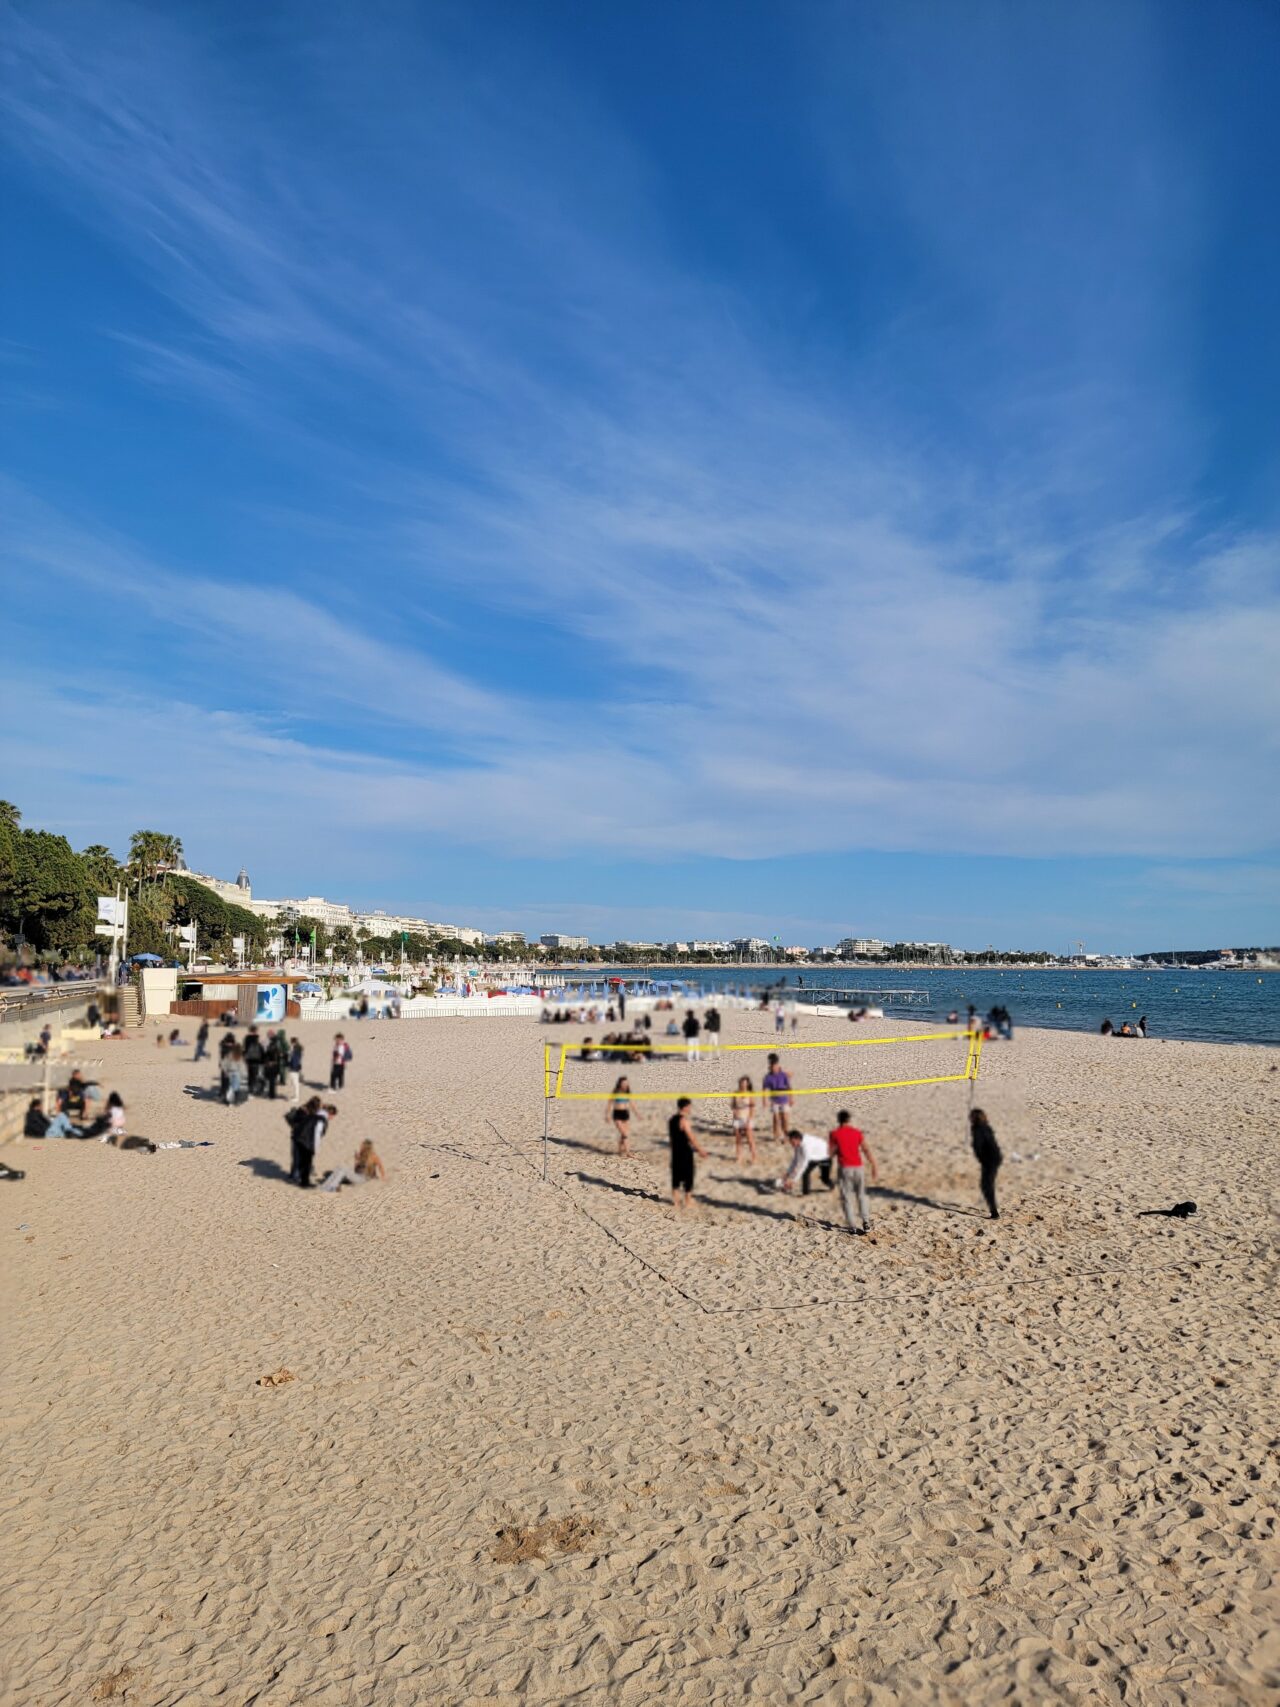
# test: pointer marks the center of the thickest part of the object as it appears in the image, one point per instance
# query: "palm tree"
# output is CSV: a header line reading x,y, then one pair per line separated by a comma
x,y
103,867
152,853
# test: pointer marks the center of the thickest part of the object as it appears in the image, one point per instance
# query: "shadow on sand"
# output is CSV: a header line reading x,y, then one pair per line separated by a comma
x,y
263,1167
700,1197
897,1196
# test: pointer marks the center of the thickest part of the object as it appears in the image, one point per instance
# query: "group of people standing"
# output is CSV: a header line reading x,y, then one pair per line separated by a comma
x,y
695,1030
257,1066
840,1159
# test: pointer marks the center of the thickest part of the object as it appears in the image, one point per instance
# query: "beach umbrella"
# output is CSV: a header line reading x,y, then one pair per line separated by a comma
x,y
316,987
154,957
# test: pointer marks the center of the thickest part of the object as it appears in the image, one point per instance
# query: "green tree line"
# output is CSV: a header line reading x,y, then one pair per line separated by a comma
x,y
49,896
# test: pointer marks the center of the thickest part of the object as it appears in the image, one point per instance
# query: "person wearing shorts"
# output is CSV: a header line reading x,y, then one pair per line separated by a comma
x,y
620,1114
777,1088
848,1146
683,1148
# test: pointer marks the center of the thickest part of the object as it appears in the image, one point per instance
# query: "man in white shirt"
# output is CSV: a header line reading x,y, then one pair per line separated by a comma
x,y
808,1152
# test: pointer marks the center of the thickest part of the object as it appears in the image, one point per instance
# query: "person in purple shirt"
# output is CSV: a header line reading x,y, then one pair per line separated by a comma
x,y
777,1093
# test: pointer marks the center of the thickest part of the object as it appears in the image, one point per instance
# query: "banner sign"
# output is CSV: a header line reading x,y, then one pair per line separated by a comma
x,y
270,1004
110,911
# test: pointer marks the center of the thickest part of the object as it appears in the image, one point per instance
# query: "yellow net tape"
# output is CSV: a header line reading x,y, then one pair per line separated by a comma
x,y
974,1056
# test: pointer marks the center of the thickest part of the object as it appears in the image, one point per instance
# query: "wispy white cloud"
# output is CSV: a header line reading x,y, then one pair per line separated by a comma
x,y
818,629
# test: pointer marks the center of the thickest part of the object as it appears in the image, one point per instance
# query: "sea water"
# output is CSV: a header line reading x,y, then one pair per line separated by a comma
x,y
1209,1006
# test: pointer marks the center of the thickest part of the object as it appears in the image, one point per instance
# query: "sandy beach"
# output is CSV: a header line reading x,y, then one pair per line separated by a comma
x,y
538,1442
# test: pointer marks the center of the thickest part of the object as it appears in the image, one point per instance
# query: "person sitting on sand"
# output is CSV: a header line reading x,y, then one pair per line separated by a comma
x,y
71,1098
588,1051
1142,1026
618,1111
1107,1028
36,1122
367,1166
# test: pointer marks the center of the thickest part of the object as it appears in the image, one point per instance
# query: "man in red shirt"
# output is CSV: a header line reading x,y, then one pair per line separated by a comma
x,y
848,1147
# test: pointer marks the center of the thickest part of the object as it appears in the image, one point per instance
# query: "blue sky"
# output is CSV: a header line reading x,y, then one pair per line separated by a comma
x,y
655,469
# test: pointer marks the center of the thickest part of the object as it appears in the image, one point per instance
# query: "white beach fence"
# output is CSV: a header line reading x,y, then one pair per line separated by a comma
x,y
449,1006
431,1007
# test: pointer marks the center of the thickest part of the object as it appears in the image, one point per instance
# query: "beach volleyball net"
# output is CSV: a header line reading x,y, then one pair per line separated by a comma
x,y
572,1074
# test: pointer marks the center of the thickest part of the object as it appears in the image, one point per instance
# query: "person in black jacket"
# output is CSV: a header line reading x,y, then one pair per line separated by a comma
x,y
254,1057
302,1134
987,1151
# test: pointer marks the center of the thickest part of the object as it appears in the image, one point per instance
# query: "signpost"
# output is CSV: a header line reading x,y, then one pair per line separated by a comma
x,y
113,921
187,934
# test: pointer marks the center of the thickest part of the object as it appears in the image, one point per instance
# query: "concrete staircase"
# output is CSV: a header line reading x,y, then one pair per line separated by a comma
x,y
130,1005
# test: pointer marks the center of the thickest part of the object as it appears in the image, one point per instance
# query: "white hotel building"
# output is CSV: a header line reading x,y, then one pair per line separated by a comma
x,y
333,915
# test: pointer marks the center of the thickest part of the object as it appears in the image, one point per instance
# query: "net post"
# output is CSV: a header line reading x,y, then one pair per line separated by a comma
x,y
546,1128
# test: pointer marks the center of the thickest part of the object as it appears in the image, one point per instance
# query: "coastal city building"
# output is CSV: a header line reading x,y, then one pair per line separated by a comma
x,y
558,939
333,915
237,894
860,945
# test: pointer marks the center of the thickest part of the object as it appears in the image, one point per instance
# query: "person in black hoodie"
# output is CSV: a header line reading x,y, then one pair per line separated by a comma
x,y
302,1134
987,1151
254,1056
275,1059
